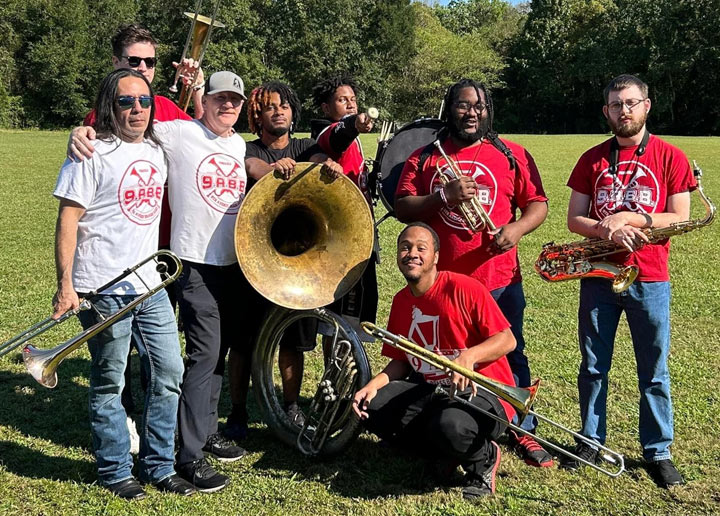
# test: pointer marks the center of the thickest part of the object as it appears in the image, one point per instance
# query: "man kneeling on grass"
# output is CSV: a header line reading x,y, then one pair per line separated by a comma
x,y
456,317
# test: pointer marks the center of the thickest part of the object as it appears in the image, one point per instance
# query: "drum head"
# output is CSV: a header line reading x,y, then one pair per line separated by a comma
x,y
394,152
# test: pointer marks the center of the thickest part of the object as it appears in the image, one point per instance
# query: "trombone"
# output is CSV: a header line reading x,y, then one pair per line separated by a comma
x,y
472,210
195,43
42,364
519,397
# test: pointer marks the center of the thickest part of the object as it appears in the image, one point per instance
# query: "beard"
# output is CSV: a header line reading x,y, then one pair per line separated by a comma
x,y
458,132
629,130
278,131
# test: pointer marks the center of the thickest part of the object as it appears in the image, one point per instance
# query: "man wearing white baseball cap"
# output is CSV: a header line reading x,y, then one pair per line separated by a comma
x,y
207,183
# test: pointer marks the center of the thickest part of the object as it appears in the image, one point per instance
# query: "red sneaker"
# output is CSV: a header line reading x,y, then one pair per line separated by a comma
x,y
530,451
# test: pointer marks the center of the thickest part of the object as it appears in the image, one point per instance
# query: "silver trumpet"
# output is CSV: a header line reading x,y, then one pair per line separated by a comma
x,y
42,364
519,397
472,211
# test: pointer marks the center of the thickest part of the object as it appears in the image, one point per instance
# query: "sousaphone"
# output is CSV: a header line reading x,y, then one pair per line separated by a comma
x,y
303,243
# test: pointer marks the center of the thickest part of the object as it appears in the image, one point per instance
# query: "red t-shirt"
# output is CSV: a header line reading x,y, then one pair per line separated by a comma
x,y
457,312
352,160
502,191
642,185
165,111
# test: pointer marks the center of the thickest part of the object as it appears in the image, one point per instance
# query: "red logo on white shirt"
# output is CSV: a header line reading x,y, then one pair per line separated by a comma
x,y
487,190
140,192
221,182
633,188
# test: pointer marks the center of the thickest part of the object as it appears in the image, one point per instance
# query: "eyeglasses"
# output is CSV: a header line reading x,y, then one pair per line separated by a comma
x,y
464,107
630,104
127,101
134,61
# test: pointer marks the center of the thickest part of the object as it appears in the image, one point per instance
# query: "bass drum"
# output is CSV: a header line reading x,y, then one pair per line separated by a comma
x,y
345,425
393,153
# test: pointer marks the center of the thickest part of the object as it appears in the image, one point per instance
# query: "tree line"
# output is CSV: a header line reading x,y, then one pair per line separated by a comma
x,y
546,61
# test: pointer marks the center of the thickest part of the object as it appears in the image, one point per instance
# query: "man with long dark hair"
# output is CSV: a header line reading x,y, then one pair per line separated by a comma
x,y
108,221
502,176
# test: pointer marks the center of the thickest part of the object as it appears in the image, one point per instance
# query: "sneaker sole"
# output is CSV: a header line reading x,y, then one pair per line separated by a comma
x,y
212,489
223,459
547,464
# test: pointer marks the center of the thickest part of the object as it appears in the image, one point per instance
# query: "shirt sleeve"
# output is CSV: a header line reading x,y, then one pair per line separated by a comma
x,y
337,138
581,176
77,181
89,119
410,182
394,327
679,175
528,184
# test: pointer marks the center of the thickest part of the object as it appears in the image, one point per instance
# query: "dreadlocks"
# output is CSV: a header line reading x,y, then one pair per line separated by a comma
x,y
260,97
324,90
451,98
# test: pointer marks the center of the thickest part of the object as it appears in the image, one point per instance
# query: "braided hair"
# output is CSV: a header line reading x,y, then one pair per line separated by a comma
x,y
451,97
260,97
324,90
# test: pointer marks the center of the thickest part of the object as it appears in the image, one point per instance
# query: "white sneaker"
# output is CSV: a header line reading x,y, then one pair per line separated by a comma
x,y
134,437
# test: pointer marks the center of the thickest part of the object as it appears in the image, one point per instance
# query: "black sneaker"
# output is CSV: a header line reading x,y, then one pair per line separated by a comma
x,y
664,473
529,450
584,451
222,449
295,414
480,484
203,476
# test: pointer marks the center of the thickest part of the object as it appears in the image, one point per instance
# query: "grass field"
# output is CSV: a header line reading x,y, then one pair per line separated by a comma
x,y
46,460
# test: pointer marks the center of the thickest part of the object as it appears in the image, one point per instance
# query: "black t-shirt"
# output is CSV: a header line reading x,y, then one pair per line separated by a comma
x,y
299,149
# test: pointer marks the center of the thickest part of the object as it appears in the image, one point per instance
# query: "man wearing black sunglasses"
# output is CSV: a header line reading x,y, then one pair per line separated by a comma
x,y
127,159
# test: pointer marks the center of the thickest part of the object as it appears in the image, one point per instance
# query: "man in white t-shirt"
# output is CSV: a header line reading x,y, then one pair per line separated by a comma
x,y
108,221
207,183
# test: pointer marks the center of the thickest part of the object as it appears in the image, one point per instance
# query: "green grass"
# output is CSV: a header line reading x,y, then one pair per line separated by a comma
x,y
46,461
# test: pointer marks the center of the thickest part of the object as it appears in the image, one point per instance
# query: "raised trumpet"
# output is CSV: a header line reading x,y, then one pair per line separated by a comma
x,y
472,211
520,398
42,364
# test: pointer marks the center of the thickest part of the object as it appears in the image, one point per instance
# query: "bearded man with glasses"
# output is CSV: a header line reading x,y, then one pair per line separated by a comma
x,y
98,235
630,182
502,176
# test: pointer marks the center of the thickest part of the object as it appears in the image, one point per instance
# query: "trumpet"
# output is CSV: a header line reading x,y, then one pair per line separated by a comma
x,y
42,364
472,211
519,397
198,37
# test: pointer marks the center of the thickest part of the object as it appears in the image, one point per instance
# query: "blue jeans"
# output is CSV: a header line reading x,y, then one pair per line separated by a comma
x,y
647,309
154,330
511,300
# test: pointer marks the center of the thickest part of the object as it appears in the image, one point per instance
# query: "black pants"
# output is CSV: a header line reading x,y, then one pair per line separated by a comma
x,y
409,413
213,302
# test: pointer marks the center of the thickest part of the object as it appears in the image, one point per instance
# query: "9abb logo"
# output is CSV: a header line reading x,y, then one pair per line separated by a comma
x,y
140,192
221,181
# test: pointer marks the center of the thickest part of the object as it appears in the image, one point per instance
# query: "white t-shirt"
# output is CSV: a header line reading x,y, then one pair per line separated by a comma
x,y
206,185
121,189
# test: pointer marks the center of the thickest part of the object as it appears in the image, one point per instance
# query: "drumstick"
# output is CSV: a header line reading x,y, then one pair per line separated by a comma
x,y
373,113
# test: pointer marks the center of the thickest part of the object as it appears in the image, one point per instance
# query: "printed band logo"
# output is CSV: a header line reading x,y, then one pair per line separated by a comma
x,y
422,327
487,191
221,181
140,192
634,188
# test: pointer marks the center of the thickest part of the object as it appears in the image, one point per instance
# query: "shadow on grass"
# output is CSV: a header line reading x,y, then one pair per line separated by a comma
x,y
58,415
26,462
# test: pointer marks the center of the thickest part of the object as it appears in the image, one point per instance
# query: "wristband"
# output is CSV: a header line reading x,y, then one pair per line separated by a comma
x,y
198,87
648,221
444,198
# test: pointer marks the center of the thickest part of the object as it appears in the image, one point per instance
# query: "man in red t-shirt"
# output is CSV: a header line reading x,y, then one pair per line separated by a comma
x,y
503,177
337,136
630,182
456,317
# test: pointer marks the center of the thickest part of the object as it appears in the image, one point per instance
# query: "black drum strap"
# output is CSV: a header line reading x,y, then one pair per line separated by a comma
x,y
494,140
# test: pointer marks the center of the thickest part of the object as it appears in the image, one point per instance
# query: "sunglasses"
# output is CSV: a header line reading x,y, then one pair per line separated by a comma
x,y
134,61
127,101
